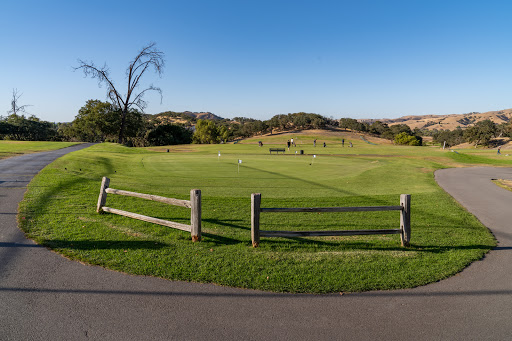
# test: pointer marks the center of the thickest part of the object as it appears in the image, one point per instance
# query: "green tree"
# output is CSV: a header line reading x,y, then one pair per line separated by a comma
x,y
168,134
206,132
348,123
379,128
20,128
5,129
400,128
273,123
404,138
300,120
96,121
99,121
481,133
452,138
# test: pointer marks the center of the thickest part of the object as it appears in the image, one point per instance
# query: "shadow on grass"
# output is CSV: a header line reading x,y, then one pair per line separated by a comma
x,y
226,222
288,177
296,244
220,240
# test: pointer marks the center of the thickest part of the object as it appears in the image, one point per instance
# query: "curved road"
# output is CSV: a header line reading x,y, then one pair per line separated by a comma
x,y
44,296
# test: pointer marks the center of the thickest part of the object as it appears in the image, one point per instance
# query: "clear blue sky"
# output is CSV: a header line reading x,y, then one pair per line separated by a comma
x,y
360,59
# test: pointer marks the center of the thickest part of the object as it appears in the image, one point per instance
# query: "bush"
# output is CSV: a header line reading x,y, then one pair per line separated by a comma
x,y
409,140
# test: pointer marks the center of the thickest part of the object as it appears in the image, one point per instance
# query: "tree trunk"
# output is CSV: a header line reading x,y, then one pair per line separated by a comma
x,y
122,128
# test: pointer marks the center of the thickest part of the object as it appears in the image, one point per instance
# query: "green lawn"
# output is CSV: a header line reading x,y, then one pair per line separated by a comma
x,y
59,212
13,148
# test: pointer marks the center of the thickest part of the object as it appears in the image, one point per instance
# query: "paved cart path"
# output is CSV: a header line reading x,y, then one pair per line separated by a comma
x,y
44,296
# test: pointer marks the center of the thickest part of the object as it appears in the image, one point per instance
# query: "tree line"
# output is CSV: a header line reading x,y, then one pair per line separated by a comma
x,y
99,121
398,133
21,128
483,133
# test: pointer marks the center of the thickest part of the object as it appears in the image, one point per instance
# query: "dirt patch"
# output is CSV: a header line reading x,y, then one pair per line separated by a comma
x,y
506,184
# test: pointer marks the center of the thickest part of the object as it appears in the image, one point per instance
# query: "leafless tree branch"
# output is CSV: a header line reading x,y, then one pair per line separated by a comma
x,y
15,107
148,57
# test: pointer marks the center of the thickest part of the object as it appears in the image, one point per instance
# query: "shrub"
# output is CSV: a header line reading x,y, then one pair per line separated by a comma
x,y
405,139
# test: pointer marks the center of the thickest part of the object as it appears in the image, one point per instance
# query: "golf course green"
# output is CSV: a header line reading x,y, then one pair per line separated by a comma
x,y
59,212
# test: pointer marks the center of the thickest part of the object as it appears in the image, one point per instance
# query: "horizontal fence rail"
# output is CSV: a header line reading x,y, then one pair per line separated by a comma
x,y
170,201
404,230
194,204
333,209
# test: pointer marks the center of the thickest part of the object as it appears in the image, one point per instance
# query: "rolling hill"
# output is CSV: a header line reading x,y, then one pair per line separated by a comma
x,y
449,122
186,117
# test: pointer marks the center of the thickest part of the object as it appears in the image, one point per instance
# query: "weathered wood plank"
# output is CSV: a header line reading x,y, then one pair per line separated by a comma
x,y
171,201
167,223
255,219
195,214
291,234
333,209
102,199
405,219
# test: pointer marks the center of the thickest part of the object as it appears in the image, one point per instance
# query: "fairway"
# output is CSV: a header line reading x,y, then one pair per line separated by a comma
x,y
59,212
13,148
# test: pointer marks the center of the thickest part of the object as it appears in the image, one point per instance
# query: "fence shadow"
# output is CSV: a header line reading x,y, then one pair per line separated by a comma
x,y
225,222
294,244
221,240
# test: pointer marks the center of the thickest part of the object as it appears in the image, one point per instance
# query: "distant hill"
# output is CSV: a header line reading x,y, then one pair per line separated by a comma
x,y
185,117
449,122
202,115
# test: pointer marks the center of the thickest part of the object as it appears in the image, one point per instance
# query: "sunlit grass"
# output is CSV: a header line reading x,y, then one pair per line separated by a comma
x,y
59,212
13,148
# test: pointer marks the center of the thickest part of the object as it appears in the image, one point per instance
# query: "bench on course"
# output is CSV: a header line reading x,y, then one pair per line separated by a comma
x,y
277,150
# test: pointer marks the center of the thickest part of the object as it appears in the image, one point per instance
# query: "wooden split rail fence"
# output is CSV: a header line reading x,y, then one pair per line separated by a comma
x,y
194,204
404,230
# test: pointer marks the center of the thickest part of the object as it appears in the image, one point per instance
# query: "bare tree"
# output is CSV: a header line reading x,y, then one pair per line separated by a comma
x,y
15,107
149,57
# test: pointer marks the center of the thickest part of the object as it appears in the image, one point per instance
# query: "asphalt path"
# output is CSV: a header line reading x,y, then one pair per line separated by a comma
x,y
44,296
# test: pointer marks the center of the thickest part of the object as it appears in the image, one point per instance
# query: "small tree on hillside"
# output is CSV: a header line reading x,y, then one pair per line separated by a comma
x,y
481,133
404,138
149,57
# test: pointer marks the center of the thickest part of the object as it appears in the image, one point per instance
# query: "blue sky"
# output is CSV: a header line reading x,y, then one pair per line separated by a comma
x,y
359,59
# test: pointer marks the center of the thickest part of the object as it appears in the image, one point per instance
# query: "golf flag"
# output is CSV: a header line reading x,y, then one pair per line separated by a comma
x,y
239,161
314,156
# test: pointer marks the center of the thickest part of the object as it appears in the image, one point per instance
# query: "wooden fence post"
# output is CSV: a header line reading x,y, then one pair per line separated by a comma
x,y
195,214
102,199
255,218
405,219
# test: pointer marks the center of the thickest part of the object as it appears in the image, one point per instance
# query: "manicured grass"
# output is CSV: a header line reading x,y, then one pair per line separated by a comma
x,y
13,148
59,212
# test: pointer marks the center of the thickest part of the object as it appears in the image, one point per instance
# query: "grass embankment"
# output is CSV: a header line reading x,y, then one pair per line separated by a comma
x,y
13,148
59,212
